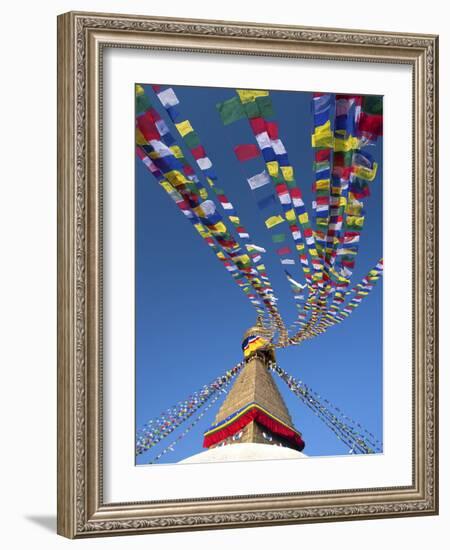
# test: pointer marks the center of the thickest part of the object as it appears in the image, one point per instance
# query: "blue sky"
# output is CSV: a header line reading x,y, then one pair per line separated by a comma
x,y
191,315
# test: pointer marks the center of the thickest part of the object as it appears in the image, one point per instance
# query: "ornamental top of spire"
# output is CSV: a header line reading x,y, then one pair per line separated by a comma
x,y
258,329
258,339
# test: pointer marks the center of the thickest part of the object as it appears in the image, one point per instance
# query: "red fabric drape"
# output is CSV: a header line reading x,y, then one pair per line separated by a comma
x,y
262,418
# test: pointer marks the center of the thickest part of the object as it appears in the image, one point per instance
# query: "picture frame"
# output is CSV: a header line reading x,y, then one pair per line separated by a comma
x,y
83,39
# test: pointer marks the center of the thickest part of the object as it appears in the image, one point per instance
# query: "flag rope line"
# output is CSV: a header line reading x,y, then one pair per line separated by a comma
x,y
353,439
167,162
185,432
158,428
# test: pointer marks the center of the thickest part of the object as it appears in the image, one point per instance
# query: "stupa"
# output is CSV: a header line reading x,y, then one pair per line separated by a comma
x,y
253,422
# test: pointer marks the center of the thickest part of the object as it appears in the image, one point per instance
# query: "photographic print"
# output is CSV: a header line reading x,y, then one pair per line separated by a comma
x,y
258,274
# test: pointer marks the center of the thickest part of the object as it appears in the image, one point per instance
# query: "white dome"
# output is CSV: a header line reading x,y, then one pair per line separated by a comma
x,y
243,451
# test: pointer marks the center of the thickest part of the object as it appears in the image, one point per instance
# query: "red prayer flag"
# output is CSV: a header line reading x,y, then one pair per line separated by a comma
x,y
246,151
258,125
283,251
147,126
272,129
322,201
371,124
281,188
198,152
322,155
188,170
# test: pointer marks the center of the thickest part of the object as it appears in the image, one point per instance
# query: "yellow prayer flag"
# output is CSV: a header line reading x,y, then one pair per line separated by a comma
x,y
288,173
354,208
221,255
234,219
365,173
355,220
184,128
344,145
140,139
177,152
203,193
322,184
290,215
218,228
243,258
176,178
167,187
199,211
246,96
199,227
322,136
261,267
273,221
139,89
335,190
303,218
272,168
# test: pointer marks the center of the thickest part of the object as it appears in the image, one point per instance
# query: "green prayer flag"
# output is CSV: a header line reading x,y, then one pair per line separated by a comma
x,y
265,106
291,184
252,109
373,104
230,110
278,178
192,140
142,103
278,237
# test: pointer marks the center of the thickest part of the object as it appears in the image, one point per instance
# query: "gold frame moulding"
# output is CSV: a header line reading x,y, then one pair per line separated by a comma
x,y
82,38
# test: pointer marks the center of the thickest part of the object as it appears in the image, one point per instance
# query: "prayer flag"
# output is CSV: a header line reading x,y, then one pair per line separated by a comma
x,y
278,237
142,102
246,151
265,202
288,173
250,95
265,106
273,167
184,128
263,140
230,110
283,251
278,147
371,124
322,136
253,247
258,125
168,98
273,221
204,163
192,140
258,180
272,129
372,104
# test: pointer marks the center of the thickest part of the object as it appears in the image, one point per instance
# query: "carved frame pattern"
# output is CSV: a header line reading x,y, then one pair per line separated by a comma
x,y
81,37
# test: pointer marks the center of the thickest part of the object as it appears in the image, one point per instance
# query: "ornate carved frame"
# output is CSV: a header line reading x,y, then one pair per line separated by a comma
x,y
81,38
